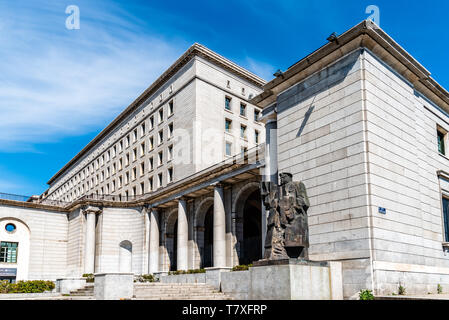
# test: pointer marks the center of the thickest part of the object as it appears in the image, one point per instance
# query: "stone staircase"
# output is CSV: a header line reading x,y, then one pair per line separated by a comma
x,y
177,291
86,291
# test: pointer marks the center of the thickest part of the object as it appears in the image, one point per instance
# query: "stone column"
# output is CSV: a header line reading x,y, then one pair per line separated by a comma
x,y
183,231
154,241
89,247
219,228
271,152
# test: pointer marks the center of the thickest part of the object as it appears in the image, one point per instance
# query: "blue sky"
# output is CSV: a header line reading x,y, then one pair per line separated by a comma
x,y
60,87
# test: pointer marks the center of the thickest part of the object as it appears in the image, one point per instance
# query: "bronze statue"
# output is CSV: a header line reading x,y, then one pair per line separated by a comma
x,y
287,226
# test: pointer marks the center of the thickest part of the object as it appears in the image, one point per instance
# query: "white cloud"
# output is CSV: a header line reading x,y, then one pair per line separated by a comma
x,y
56,82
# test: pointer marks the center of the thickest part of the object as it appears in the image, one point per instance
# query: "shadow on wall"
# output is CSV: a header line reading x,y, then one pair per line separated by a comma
x,y
125,256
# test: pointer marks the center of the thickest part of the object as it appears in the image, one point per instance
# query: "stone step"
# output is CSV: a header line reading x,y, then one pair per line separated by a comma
x,y
164,285
219,297
175,290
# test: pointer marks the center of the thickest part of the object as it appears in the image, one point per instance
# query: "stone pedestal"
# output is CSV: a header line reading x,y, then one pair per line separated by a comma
x,y
295,279
213,276
65,285
114,286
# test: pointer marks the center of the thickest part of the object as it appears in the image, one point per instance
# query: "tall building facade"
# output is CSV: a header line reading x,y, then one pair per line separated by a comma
x,y
193,116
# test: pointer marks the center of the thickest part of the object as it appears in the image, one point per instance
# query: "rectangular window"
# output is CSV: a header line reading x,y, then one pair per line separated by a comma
x,y
256,115
242,131
8,252
170,108
446,218
160,158
151,122
142,188
170,153
441,143
150,167
161,136
135,135
134,173
120,182
227,103
142,168
127,159
127,141
134,154
120,146
127,178
243,109
150,184
142,129
170,130
142,149
170,175
159,180
151,143
120,164
228,124
256,136
161,115
228,148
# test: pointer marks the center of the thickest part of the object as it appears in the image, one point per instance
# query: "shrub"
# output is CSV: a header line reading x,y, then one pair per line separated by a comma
x,y
89,277
366,295
34,286
401,290
242,267
145,278
191,271
439,289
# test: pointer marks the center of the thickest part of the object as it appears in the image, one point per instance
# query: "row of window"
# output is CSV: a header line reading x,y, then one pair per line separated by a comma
x,y
105,174
122,181
243,130
242,110
107,156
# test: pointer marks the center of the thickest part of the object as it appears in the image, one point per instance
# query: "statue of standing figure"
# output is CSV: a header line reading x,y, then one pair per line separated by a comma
x,y
287,225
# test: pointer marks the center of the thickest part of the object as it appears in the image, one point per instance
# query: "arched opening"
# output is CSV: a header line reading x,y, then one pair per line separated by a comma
x,y
174,250
125,256
208,251
251,246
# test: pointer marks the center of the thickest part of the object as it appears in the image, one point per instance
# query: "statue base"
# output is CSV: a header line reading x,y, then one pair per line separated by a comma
x,y
295,279
288,261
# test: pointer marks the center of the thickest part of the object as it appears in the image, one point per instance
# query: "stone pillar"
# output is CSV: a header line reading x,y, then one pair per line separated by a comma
x,y
89,247
154,241
183,231
219,228
271,152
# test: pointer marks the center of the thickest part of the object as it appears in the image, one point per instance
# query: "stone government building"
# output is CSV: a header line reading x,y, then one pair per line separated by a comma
x,y
359,121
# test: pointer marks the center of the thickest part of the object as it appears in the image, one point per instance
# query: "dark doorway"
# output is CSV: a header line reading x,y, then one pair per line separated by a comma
x,y
174,255
252,229
208,252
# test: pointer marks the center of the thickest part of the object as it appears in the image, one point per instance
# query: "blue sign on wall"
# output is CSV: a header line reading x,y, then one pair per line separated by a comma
x,y
382,210
8,272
